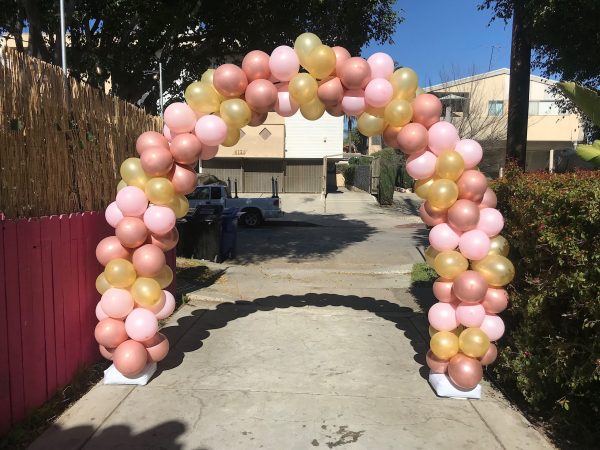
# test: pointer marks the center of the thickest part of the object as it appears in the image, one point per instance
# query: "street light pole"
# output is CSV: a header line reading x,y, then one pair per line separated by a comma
x,y
62,38
160,87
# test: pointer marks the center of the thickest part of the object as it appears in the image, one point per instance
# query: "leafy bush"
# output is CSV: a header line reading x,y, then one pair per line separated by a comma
x,y
348,173
390,162
422,274
551,354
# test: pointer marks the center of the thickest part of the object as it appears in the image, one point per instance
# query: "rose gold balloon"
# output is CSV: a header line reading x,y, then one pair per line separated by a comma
x,y
427,109
167,241
470,286
229,80
355,73
432,216
106,352
156,161
335,111
331,91
150,139
413,138
464,215
436,364
341,56
130,358
465,372
390,136
131,231
489,199
148,260
157,347
183,178
442,290
490,356
472,185
209,152
258,119
495,300
111,248
256,65
186,148
261,96
110,332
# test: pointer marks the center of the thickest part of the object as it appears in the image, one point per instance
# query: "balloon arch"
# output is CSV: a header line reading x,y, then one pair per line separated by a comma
x,y
466,249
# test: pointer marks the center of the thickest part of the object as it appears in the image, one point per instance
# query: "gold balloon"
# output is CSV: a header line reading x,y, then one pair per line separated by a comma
x,y
312,110
420,91
164,277
422,187
101,284
449,165
496,269
180,205
456,331
473,342
442,193
405,83
202,97
146,291
374,111
160,191
430,254
235,112
304,45
132,173
303,88
119,273
232,138
444,344
121,185
449,264
499,246
321,61
398,112
370,125
207,77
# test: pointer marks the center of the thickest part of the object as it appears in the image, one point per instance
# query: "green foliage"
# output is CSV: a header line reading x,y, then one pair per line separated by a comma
x,y
552,352
390,162
590,153
359,141
422,274
349,171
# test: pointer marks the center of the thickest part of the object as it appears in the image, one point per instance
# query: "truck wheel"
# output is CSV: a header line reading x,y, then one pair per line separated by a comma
x,y
251,218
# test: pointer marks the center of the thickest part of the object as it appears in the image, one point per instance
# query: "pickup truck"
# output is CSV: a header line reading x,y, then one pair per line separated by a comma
x,y
256,210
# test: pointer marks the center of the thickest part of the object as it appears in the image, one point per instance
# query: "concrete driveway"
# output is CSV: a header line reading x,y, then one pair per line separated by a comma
x,y
312,338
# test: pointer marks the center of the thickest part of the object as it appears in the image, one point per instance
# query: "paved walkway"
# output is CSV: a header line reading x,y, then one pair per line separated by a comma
x,y
313,338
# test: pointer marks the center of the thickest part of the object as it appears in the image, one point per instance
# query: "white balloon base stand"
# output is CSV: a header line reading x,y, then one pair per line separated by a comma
x,y
443,387
113,376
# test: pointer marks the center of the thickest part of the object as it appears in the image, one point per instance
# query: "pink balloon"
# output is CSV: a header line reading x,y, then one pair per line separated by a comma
x,y
442,290
168,134
442,136
355,73
184,178
256,65
157,161
331,91
463,215
229,80
495,300
285,106
474,245
421,165
471,152
159,219
113,214
106,352
150,139
166,241
157,347
131,232
490,222
141,324
148,260
211,130
341,55
470,314
427,109
130,358
110,248
413,138
472,185
469,287
489,199
117,303
258,119
335,111
490,356
209,152
132,201
493,326
353,102
378,92
435,364
168,308
442,316
261,95
158,306
186,148
442,237
110,332
382,65
284,63
179,117
432,217
100,314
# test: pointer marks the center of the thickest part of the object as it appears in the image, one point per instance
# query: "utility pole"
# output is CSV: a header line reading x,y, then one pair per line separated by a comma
x,y
63,46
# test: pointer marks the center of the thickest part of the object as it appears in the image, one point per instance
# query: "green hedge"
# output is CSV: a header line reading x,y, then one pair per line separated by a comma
x,y
390,162
551,353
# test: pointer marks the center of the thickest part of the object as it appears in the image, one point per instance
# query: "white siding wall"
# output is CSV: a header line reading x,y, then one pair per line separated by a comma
x,y
313,139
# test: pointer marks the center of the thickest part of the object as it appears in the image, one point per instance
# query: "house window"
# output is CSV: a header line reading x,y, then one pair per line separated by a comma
x,y
495,108
543,108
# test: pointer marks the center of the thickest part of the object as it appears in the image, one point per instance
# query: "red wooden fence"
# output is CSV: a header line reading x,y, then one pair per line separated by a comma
x,y
48,270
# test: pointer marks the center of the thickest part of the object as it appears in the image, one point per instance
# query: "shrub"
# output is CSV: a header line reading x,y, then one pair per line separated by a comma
x,y
388,173
348,173
551,354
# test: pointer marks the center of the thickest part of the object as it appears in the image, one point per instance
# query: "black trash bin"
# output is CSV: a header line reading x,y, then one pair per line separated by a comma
x,y
229,233
200,233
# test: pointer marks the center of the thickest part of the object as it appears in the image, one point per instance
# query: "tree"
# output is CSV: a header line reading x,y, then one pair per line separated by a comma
x,y
120,40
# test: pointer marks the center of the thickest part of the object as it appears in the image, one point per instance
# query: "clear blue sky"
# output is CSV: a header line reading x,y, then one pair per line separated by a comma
x,y
439,34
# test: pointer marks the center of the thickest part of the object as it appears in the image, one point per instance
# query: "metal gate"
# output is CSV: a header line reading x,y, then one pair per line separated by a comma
x,y
224,168
258,174
375,168
303,175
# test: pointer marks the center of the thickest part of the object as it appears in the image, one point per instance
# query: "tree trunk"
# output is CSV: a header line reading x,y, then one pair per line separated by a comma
x,y
518,97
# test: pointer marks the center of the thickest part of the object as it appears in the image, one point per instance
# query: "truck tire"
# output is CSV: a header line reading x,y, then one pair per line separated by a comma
x,y
251,218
